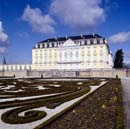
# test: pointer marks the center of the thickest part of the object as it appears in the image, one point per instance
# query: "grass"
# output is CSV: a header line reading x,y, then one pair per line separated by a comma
x,y
120,111
103,109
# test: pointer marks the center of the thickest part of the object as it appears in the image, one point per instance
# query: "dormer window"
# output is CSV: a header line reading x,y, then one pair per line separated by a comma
x,y
45,45
40,45
95,41
82,42
37,45
101,40
88,41
55,44
50,44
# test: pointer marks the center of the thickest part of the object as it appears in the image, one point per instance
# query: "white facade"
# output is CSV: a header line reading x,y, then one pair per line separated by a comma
x,y
68,53
72,54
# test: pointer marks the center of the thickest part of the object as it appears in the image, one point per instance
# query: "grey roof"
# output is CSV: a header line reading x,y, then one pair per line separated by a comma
x,y
72,37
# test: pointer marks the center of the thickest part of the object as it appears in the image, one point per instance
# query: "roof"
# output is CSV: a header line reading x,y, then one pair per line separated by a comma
x,y
71,37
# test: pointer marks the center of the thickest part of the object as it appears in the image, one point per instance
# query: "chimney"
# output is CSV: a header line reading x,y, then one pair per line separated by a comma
x,y
66,37
55,37
93,34
81,35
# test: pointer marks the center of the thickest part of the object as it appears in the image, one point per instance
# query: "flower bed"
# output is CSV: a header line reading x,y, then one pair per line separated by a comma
x,y
101,110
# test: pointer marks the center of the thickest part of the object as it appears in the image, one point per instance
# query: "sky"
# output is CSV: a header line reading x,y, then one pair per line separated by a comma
x,y
26,22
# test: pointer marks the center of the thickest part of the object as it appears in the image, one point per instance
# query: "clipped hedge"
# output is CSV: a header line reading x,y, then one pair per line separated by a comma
x,y
12,116
71,87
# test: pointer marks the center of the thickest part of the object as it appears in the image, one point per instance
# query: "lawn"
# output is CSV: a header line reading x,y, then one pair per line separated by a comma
x,y
102,109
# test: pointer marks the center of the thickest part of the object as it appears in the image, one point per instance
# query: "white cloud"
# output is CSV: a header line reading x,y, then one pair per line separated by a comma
x,y
3,35
39,22
3,50
78,13
120,37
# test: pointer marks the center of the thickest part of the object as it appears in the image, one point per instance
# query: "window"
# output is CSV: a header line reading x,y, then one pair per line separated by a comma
x,y
40,45
95,41
88,41
101,54
65,54
45,45
101,40
60,54
95,54
55,44
50,44
82,42
94,58
37,45
71,54
77,54
101,50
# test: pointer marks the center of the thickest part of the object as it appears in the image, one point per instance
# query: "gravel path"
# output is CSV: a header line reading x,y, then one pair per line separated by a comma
x,y
126,99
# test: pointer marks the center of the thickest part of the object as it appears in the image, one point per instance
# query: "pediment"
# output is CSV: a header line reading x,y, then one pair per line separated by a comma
x,y
68,43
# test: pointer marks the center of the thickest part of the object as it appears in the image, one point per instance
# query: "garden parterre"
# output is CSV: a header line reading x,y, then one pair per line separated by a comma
x,y
60,92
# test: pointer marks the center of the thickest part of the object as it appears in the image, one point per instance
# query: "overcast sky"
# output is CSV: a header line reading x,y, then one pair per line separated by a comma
x,y
25,22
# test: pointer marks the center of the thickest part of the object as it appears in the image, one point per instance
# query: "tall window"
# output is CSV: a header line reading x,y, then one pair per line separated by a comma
x,y
77,54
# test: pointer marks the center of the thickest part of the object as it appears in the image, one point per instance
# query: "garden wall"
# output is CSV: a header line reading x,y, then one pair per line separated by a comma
x,y
67,74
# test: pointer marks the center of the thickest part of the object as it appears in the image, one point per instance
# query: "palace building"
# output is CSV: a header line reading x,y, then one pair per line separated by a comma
x,y
72,53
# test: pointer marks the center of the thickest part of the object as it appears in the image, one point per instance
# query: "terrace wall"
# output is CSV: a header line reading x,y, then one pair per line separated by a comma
x,y
60,74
